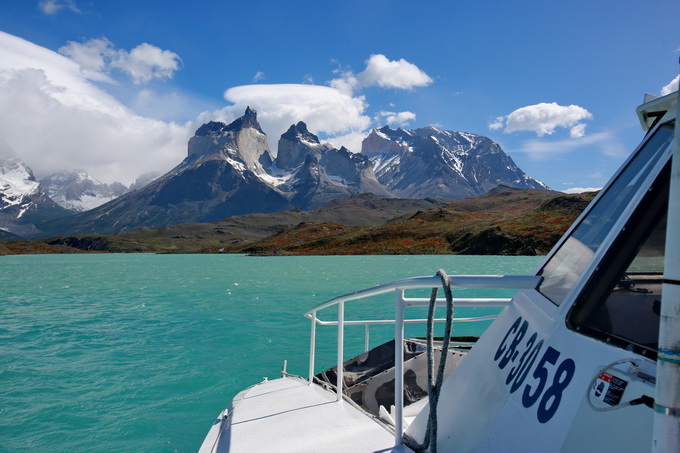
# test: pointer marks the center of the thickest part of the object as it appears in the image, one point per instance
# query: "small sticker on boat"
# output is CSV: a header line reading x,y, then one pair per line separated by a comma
x,y
609,388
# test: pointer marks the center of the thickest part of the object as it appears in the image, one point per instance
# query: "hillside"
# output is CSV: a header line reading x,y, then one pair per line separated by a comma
x,y
234,233
514,222
503,222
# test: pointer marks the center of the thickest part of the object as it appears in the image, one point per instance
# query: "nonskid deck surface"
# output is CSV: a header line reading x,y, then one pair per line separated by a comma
x,y
289,415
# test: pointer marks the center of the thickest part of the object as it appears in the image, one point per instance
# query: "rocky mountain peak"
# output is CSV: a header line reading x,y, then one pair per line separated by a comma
x,y
218,128
242,141
295,144
385,141
247,121
430,162
300,132
211,128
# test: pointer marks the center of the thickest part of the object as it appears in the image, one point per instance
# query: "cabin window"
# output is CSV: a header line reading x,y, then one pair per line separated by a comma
x,y
622,301
569,262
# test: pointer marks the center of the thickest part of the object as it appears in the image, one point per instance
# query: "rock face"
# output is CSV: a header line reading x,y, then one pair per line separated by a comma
x,y
295,144
319,173
23,203
77,191
430,162
242,140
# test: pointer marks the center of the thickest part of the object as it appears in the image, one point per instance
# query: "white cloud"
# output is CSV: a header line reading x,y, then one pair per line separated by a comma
x,y
392,74
396,118
144,63
578,131
544,118
498,123
671,87
384,73
55,119
347,83
352,140
581,189
326,110
52,7
259,75
93,56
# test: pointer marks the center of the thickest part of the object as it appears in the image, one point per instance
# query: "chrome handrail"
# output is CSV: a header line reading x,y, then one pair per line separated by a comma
x,y
399,287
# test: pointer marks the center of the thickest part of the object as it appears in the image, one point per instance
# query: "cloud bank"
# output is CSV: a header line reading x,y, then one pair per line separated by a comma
x,y
56,119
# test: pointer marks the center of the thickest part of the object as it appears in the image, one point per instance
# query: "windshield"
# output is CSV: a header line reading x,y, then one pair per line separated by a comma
x,y
566,266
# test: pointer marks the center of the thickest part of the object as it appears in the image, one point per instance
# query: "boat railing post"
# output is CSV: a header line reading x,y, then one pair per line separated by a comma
x,y
312,348
341,347
366,336
398,367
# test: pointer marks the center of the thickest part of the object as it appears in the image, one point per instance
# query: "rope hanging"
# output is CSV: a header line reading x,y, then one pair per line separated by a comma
x,y
434,387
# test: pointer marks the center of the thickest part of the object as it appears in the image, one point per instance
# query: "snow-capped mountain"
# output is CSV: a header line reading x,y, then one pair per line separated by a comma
x,y
433,163
77,191
229,171
23,203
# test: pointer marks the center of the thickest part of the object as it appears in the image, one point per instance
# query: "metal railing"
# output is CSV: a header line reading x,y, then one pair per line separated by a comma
x,y
401,301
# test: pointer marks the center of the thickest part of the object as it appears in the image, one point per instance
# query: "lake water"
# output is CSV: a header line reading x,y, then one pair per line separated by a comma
x,y
140,352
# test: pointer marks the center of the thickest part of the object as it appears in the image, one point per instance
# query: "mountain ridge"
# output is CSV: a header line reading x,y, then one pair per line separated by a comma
x,y
229,170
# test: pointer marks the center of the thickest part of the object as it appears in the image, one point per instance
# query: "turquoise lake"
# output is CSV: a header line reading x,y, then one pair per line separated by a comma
x,y
140,352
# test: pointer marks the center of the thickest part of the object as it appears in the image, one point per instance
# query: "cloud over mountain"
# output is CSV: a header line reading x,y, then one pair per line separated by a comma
x,y
337,111
56,118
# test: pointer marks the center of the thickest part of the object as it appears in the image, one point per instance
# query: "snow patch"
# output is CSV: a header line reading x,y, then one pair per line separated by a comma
x,y
334,178
381,134
276,176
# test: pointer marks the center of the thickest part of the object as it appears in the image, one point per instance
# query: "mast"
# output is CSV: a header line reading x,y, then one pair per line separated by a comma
x,y
667,399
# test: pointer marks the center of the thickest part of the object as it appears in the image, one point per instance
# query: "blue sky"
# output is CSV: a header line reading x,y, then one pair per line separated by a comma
x,y
117,88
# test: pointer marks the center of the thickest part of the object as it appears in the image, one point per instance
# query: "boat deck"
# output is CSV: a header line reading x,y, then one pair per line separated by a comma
x,y
288,415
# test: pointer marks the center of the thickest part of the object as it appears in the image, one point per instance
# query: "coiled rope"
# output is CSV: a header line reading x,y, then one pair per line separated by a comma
x,y
434,387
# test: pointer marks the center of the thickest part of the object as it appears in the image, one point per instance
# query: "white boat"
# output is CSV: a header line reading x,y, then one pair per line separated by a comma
x,y
576,361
